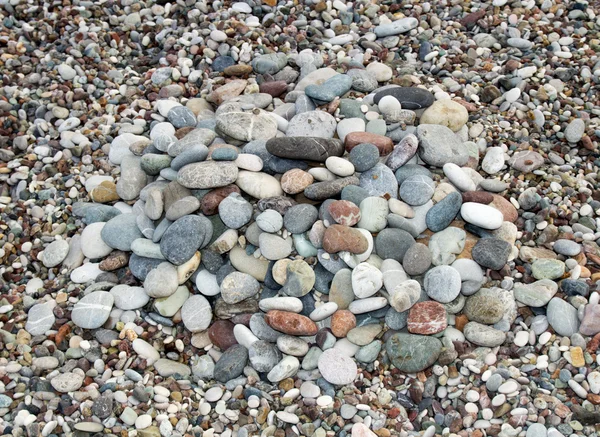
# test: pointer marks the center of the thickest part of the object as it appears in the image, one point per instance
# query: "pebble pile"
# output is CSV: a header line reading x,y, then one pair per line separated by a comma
x,y
315,218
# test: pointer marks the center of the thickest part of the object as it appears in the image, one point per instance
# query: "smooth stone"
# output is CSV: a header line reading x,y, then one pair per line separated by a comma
x,y
311,148
446,113
337,368
318,124
417,259
121,231
55,253
264,356
373,214
184,237
547,269
161,281
196,313
562,317
166,368
484,216
92,310
364,157
40,319
235,211
333,87
403,152
566,247
366,280
238,286
258,185
397,27
444,212
412,353
417,190
129,298
483,335
393,243
379,181
442,283
439,145
492,253
207,174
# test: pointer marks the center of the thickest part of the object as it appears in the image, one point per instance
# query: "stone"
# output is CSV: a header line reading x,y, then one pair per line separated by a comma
x,y
92,310
483,335
317,124
484,216
40,319
333,87
547,269
67,382
121,231
337,368
238,286
196,313
263,356
311,148
300,279
493,160
364,157
258,185
393,243
362,80
526,161
562,317
295,181
328,189
492,253
208,174
380,71
446,113
129,298
55,253
575,130
366,280
235,211
92,245
344,212
161,281
290,323
379,181
444,212
339,238
412,353
193,140
384,144
417,259
438,145
458,177
184,237
403,152
231,364
442,283
566,247
342,321
417,190
485,307
397,27
273,247
300,218
427,318
286,368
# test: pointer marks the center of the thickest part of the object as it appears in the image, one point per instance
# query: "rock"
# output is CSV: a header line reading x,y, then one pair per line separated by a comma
x,y
92,310
290,323
427,318
300,218
374,211
55,253
446,113
397,27
443,213
339,238
235,211
379,181
417,259
196,313
231,364
403,152
328,189
342,321
40,319
526,161
383,144
121,231
575,130
238,286
365,156
316,124
485,307
166,368
92,245
286,368
412,353
208,174
295,181
193,140
344,212
484,216
184,237
264,356
362,80
67,382
566,247
259,185
442,283
333,87
547,269
380,71
310,147
438,145
492,253
493,161
366,280
483,335
562,317
536,294
337,368
393,243
129,298
417,190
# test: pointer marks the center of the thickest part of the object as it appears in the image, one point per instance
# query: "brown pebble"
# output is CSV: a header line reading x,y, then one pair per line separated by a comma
x,y
290,323
295,181
342,321
209,205
478,197
338,238
221,334
384,144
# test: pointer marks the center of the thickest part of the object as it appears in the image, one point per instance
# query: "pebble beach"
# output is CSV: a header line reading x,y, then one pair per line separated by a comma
x,y
299,218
